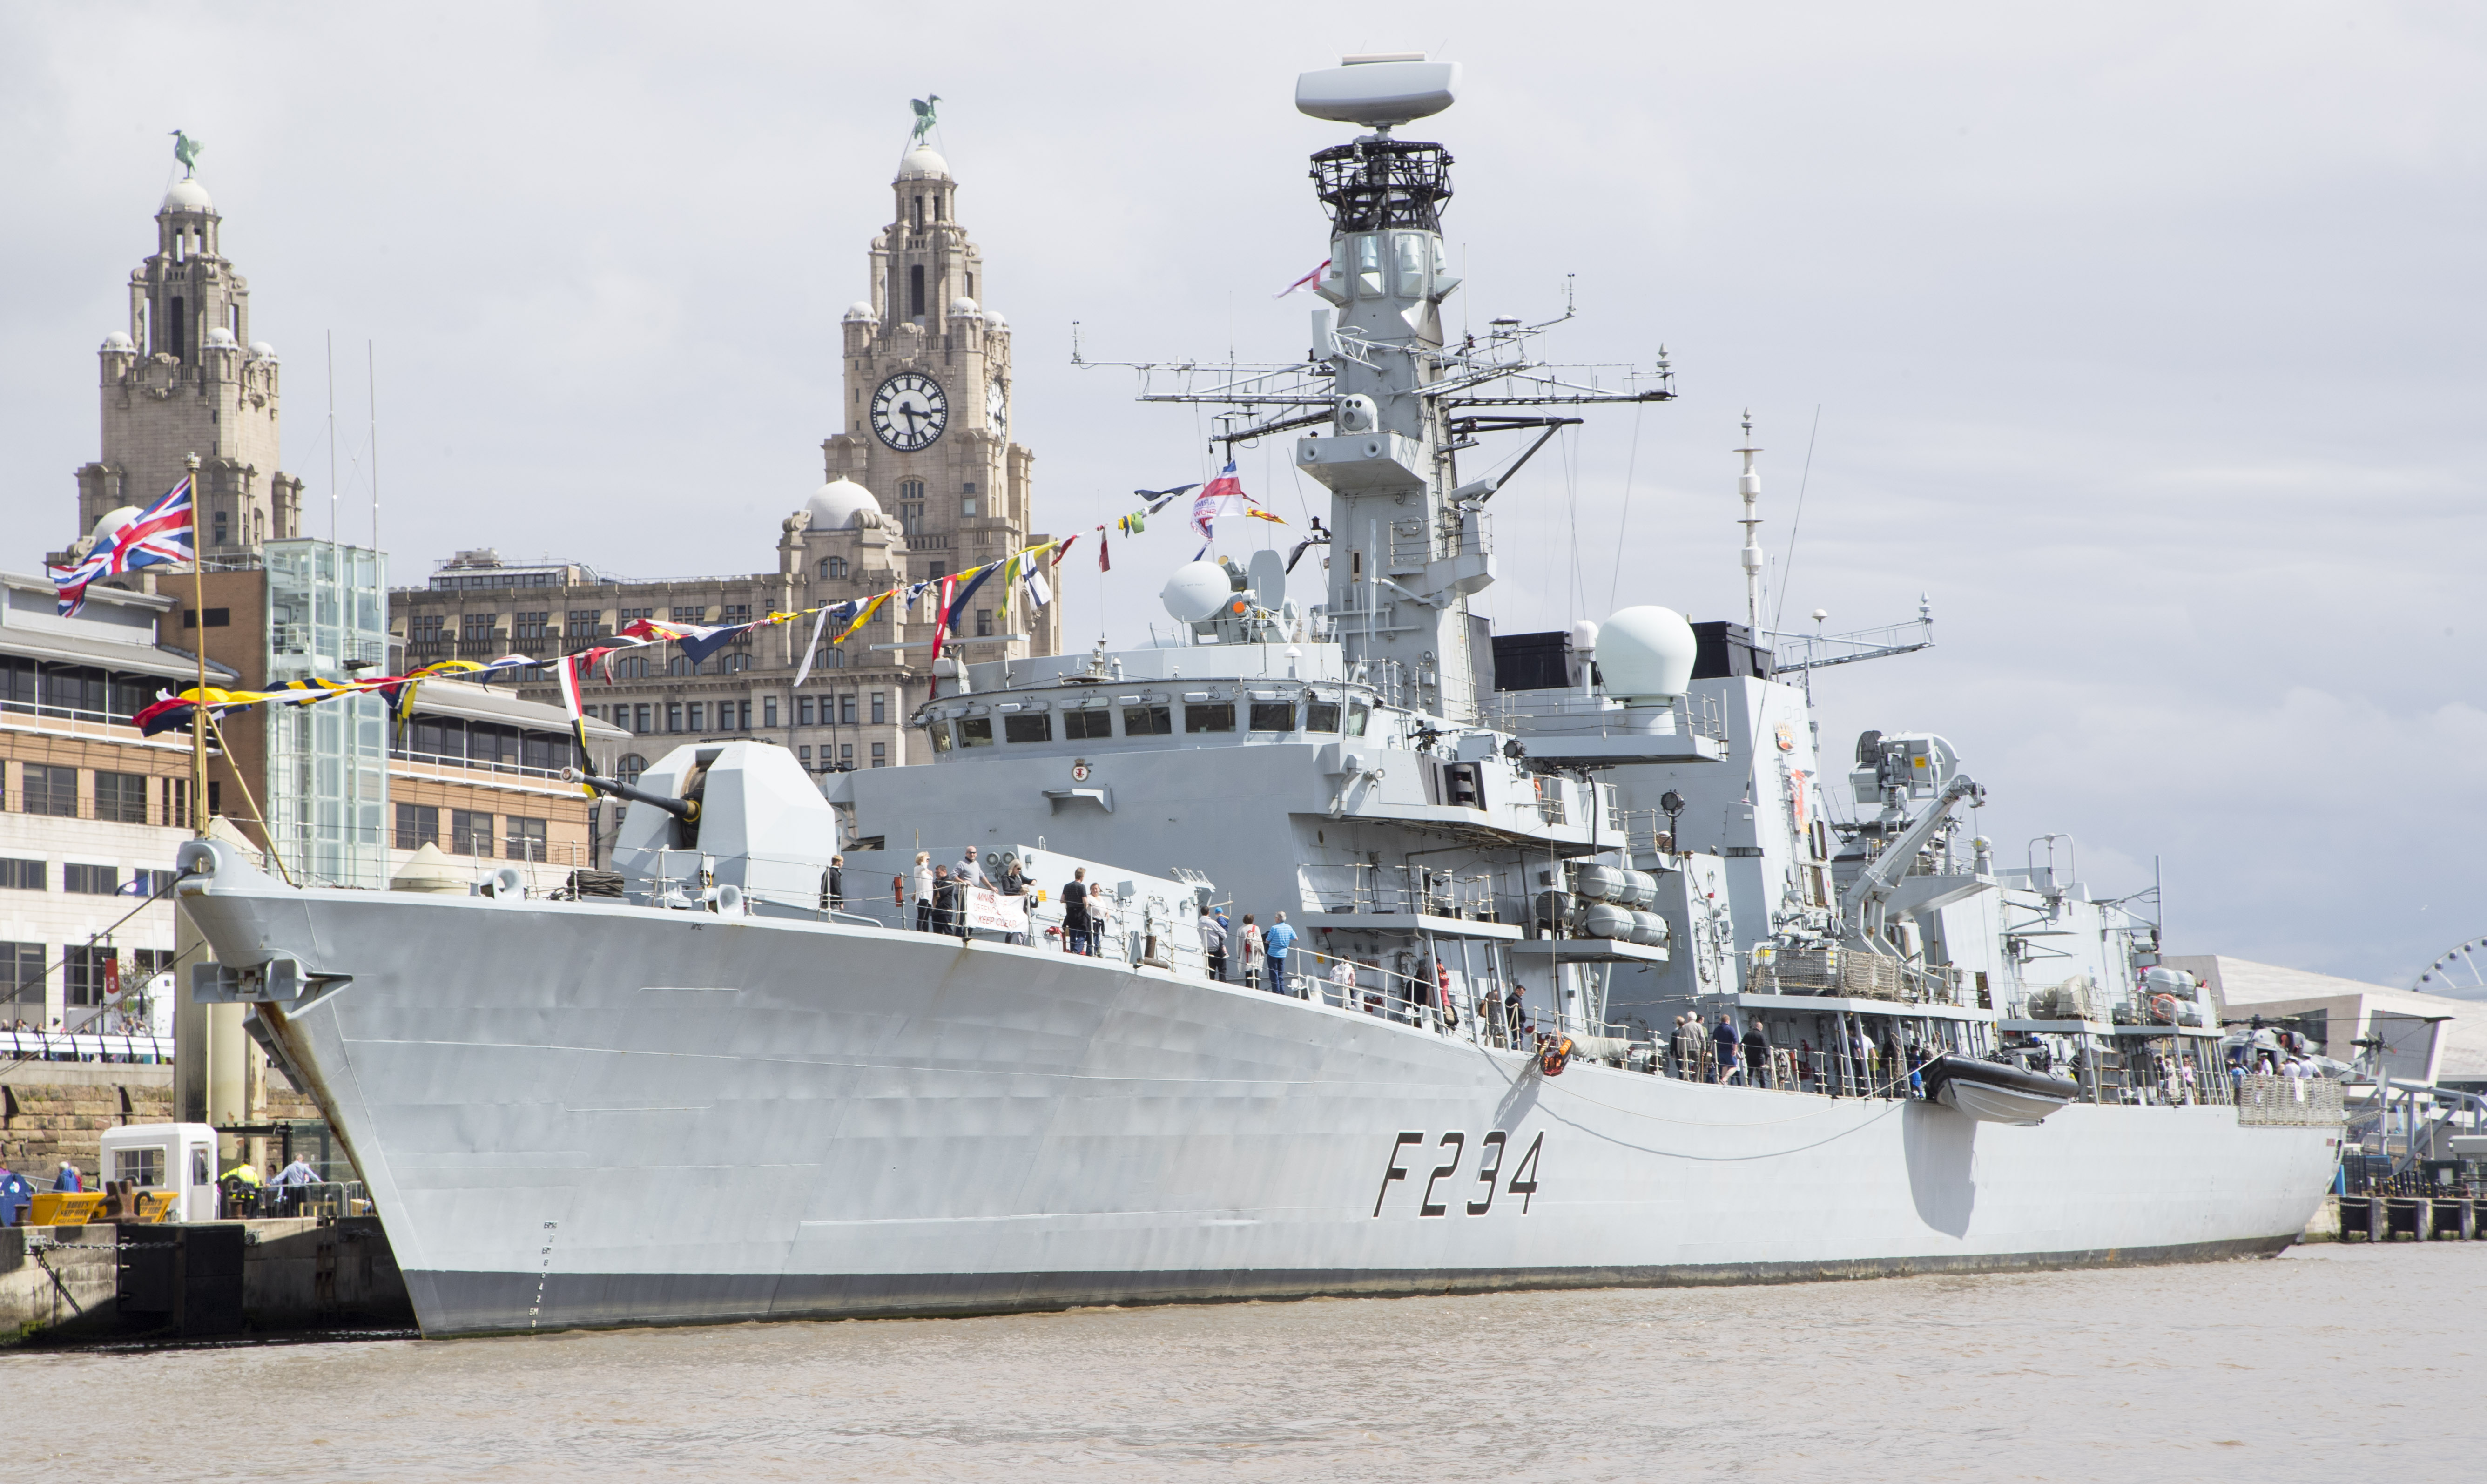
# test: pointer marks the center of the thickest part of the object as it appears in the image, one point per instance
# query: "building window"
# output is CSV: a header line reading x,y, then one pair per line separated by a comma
x,y
1147,721
967,507
984,623
626,617
417,825
769,713
879,709
698,615
881,754
121,798
1028,726
738,663
736,613
524,839
805,753
25,875
530,626
23,965
477,628
631,667
1082,725
940,571
833,567
699,715
83,976
420,628
845,710
177,801
91,880
629,766
222,618
48,790
583,623
915,274
470,832
681,664
845,756
673,715
223,526
641,723
743,723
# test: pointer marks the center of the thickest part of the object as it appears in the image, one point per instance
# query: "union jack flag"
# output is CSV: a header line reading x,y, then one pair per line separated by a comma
x,y
1218,497
163,532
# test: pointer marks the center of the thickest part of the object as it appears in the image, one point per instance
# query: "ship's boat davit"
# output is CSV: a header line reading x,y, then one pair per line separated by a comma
x,y
1996,1092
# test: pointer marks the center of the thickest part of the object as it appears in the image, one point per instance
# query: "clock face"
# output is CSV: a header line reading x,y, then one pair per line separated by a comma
x,y
909,410
997,407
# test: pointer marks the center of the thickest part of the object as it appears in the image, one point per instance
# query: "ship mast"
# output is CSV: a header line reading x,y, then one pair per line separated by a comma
x,y
1749,486
1410,543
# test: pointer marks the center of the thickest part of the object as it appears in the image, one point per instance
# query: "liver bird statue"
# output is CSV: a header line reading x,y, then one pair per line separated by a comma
x,y
924,120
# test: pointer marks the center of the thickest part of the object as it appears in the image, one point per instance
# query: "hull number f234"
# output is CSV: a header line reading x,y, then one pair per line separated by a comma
x,y
1439,1197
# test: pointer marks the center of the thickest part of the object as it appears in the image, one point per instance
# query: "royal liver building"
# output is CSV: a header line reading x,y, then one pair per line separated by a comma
x,y
922,480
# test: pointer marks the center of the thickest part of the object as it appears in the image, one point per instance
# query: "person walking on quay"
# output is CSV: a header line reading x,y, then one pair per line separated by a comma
x,y
1212,942
1278,942
1723,1051
1256,957
921,891
67,1179
1079,929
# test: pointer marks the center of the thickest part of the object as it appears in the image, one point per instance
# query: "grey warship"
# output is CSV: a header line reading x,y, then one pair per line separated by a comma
x,y
1534,879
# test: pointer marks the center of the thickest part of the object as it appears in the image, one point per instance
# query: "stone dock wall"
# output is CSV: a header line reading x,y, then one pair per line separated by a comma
x,y
55,1110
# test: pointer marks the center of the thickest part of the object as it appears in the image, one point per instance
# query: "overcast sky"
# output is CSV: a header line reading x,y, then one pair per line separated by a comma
x,y
2145,339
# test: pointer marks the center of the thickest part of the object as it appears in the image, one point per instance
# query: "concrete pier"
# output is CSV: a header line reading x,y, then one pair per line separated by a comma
x,y
211,1278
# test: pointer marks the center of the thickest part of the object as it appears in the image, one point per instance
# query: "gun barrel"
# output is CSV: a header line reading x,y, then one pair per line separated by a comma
x,y
688,810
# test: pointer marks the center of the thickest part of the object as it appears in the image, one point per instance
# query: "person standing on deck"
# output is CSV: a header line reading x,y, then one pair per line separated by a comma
x,y
1213,943
920,891
1278,942
1757,1056
1255,956
1723,1051
1079,930
945,901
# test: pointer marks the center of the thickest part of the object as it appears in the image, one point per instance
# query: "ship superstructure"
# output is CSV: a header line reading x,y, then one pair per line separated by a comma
x,y
1590,987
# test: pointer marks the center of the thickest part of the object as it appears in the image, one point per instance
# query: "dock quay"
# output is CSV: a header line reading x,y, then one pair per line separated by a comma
x,y
131,1280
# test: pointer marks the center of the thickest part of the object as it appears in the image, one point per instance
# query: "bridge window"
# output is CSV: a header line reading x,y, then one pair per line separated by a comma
x,y
1028,726
1217,716
1273,716
1148,721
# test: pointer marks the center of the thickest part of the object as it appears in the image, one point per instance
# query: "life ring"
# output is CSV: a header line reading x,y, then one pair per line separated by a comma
x,y
2165,1008
1555,1055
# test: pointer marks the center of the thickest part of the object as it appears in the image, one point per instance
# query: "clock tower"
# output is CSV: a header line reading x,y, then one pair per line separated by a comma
x,y
926,403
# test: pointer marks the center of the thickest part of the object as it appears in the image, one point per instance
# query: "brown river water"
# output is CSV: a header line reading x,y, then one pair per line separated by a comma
x,y
2330,1362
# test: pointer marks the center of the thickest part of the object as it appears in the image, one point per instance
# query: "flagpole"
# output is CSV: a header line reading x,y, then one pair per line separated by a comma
x,y
199,645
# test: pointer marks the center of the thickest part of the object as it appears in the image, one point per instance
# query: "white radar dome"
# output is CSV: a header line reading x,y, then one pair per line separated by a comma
x,y
1646,653
1196,591
1585,637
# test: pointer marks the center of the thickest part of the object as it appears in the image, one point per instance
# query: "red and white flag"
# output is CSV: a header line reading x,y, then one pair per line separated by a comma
x,y
1303,283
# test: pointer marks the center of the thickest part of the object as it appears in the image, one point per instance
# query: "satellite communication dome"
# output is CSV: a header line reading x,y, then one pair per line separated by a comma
x,y
1585,637
1196,591
841,503
1646,653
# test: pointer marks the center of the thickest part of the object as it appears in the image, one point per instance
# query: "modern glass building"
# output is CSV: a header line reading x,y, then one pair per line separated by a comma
x,y
327,764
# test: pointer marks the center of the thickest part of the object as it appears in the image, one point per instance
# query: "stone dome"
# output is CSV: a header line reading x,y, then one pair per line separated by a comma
x,y
219,338
261,351
842,503
964,307
118,340
859,311
113,520
187,196
994,321
921,163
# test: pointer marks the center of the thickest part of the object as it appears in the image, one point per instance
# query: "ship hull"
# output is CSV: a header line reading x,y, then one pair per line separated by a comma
x,y
587,1114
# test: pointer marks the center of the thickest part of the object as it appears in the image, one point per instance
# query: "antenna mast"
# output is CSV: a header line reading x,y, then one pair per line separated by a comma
x,y
1749,486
